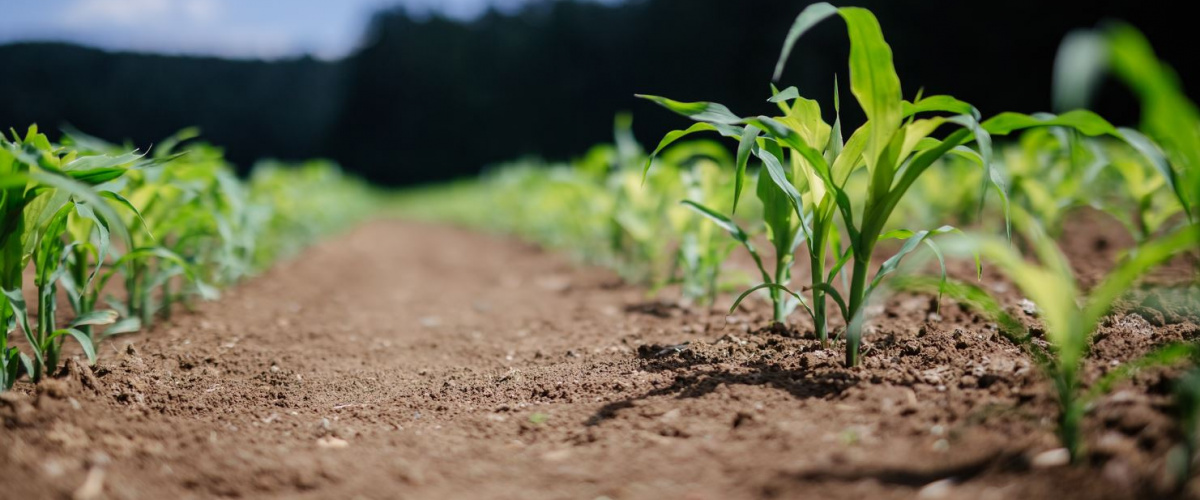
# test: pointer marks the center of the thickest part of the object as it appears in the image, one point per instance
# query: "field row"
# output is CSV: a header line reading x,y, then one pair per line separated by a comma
x,y
800,196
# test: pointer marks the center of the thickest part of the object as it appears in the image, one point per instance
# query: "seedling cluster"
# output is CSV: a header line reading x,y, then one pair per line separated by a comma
x,y
125,236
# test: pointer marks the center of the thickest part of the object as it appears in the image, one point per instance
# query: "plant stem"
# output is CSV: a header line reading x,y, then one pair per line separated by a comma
x,y
1070,414
165,310
817,265
79,271
858,290
778,298
41,364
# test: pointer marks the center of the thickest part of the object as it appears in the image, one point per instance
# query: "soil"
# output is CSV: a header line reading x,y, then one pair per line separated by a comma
x,y
405,360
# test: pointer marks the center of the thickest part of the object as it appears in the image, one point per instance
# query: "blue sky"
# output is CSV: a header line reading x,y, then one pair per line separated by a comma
x,y
268,29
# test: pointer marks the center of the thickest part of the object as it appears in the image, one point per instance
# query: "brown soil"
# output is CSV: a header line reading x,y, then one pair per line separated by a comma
x,y
417,361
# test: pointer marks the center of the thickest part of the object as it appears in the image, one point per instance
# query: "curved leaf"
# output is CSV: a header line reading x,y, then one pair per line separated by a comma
x,y
808,18
700,111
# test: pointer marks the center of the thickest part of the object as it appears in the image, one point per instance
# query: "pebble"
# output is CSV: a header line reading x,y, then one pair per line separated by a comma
x,y
937,489
1028,307
557,455
332,442
1057,457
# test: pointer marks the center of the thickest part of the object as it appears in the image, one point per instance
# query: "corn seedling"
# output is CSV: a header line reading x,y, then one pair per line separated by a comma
x,y
702,249
44,189
1050,284
1170,121
809,165
65,210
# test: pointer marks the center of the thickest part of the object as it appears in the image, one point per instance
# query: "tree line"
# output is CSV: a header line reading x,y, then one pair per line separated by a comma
x,y
427,98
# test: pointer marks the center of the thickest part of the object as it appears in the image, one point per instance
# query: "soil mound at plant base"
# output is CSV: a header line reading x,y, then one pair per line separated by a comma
x,y
420,361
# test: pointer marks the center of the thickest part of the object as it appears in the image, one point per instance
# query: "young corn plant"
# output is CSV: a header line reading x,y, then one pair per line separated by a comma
x,y
174,202
1170,121
892,149
1050,283
44,188
64,214
702,249
790,218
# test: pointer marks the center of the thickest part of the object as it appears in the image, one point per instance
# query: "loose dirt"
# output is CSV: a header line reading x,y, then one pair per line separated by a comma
x,y
405,360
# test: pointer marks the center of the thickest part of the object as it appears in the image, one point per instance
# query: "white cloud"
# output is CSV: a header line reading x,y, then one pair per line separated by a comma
x,y
134,12
121,12
203,11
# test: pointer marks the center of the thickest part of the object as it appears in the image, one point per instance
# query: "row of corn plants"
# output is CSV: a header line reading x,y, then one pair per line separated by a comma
x,y
124,236
915,172
602,210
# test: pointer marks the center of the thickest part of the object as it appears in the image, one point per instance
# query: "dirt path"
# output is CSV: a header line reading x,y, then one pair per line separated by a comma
x,y
414,361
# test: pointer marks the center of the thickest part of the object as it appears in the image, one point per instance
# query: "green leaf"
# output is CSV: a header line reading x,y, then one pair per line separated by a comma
x,y
779,177
733,229
27,363
85,342
1136,264
784,95
700,111
833,293
912,241
126,325
1158,160
1163,356
1086,122
745,147
935,103
775,286
808,18
670,138
100,165
873,79
101,317
975,297
114,196
1079,67
17,302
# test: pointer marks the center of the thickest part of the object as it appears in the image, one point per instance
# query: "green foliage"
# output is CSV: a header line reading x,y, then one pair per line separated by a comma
x,y
170,225
912,164
810,167
607,208
1069,323
1170,121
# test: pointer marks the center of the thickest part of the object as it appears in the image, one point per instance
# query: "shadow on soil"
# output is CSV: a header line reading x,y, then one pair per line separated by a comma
x,y
702,379
701,376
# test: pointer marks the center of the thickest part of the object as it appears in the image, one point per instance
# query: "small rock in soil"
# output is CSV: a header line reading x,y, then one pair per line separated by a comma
x,y
1028,307
1057,457
332,442
937,489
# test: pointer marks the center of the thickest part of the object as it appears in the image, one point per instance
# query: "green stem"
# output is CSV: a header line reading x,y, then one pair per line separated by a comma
x,y
131,288
165,311
44,327
145,307
1070,414
79,270
817,264
778,298
858,291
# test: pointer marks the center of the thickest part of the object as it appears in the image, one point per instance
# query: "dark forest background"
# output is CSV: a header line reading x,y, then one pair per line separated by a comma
x,y
431,98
